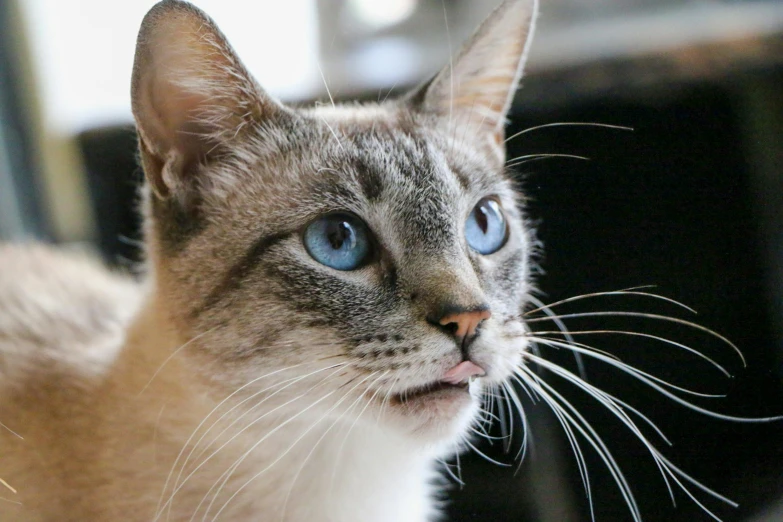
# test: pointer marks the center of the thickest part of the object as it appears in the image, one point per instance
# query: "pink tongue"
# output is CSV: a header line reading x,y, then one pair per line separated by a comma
x,y
462,372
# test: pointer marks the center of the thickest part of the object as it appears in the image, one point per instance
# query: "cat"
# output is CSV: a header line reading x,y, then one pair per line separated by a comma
x,y
330,296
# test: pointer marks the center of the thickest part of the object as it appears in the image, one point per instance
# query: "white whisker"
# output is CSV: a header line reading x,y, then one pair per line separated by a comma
x,y
281,386
512,396
643,315
179,485
481,454
576,448
201,424
447,467
631,370
520,160
284,453
568,124
350,429
481,432
226,476
539,340
555,400
451,61
326,432
649,380
171,356
643,335
459,468
562,327
666,468
634,291
8,486
607,401
334,134
12,432
698,484
326,86
504,407
489,403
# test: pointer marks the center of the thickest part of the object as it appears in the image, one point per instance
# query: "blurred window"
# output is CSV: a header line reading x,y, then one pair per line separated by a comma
x,y
83,52
21,213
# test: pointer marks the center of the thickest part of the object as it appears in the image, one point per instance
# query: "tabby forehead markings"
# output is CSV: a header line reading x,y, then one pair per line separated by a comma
x,y
397,166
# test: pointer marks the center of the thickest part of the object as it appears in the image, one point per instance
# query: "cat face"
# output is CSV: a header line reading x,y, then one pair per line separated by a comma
x,y
383,244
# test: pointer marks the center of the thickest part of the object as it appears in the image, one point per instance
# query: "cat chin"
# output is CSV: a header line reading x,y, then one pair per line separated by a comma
x,y
442,415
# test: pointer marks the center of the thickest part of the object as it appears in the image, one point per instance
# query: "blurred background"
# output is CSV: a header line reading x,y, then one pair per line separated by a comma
x,y
690,201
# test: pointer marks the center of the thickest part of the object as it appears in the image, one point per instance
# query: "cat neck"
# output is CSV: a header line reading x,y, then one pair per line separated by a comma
x,y
294,465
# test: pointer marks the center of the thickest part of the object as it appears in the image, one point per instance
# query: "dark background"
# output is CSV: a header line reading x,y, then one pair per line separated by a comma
x,y
670,204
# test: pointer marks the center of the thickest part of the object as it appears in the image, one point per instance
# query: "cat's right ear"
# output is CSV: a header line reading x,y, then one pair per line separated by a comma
x,y
191,96
474,92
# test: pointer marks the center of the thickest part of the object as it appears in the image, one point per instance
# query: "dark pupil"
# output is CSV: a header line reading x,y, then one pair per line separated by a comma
x,y
339,234
481,217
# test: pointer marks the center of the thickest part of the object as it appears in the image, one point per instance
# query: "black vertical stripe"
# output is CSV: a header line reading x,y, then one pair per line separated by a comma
x,y
238,272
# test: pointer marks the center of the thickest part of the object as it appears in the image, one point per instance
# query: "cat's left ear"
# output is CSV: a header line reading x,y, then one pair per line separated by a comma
x,y
191,97
477,88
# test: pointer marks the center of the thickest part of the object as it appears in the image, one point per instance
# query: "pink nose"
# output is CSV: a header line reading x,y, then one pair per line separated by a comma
x,y
466,321
462,372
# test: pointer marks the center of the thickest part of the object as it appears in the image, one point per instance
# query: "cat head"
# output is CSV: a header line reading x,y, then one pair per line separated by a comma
x,y
380,244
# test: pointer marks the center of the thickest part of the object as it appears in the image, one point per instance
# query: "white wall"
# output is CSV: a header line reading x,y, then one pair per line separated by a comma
x,y
83,52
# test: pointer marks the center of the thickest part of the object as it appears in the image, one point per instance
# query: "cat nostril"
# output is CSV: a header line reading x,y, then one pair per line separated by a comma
x,y
465,323
450,328
460,323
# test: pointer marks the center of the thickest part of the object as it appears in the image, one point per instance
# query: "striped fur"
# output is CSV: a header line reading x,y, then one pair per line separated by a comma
x,y
237,337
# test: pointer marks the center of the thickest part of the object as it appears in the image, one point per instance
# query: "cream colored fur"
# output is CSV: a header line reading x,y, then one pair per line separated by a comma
x,y
89,410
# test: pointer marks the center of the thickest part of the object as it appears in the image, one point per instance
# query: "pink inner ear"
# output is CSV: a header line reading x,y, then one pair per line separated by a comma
x,y
182,116
178,108
462,372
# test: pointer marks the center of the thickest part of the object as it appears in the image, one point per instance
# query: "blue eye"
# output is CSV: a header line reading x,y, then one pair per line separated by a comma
x,y
486,229
339,241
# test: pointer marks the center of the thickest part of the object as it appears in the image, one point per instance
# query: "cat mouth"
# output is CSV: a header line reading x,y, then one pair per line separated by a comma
x,y
452,388
433,392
